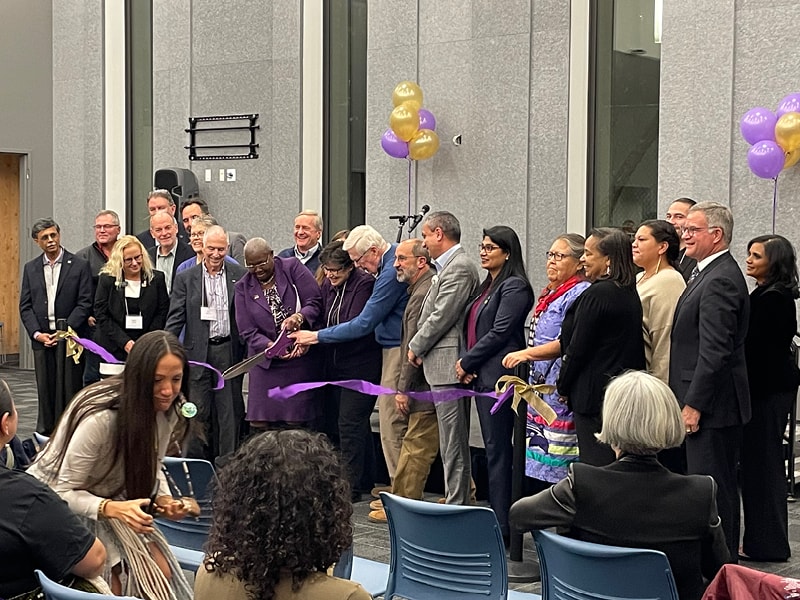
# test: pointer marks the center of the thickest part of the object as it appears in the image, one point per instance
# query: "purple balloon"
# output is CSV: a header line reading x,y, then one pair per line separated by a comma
x,y
758,124
426,119
393,146
765,159
790,103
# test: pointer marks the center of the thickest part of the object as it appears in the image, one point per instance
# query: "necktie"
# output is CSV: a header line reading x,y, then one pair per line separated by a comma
x,y
693,276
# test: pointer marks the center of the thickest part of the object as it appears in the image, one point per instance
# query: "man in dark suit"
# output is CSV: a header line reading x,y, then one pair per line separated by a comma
x,y
106,231
170,251
195,207
56,286
307,233
158,201
435,346
676,215
202,303
707,369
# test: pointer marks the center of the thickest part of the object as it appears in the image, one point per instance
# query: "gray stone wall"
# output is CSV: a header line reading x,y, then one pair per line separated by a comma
x,y
77,125
26,105
213,57
495,73
719,59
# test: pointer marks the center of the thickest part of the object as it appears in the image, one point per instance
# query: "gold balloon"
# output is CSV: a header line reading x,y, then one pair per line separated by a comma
x,y
404,121
787,131
407,91
792,157
423,145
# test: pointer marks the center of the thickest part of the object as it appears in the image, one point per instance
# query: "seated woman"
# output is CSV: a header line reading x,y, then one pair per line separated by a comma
x,y
104,459
281,518
37,529
635,502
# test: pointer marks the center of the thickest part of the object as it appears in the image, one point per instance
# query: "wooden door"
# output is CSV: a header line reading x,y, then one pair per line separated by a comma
x,y
9,249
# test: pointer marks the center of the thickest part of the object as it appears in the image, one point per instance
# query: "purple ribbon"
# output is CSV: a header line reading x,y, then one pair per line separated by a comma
x,y
365,387
97,349
278,348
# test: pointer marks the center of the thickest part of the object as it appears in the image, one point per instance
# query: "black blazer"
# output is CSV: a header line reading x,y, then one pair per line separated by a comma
x,y
636,503
601,337
73,295
183,251
312,264
110,311
773,323
184,311
707,368
499,328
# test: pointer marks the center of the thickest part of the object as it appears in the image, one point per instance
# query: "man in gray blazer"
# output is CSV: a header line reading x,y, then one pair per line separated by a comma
x,y
202,303
436,343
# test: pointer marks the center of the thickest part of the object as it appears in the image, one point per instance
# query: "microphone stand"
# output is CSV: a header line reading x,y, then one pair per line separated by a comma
x,y
401,221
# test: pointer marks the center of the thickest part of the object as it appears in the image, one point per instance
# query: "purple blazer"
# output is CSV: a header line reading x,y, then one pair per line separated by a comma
x,y
299,292
360,358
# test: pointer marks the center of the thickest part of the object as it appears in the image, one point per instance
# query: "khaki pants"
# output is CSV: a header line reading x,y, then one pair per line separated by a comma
x,y
420,446
393,423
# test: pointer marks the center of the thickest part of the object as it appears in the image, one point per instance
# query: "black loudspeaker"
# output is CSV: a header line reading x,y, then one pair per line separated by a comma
x,y
181,183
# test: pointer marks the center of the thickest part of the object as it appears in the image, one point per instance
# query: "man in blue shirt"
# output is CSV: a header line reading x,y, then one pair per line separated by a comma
x,y
383,315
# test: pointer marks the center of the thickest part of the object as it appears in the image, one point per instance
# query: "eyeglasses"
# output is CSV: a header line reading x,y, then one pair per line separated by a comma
x,y
556,256
262,265
132,259
104,227
356,261
488,248
331,270
196,234
691,231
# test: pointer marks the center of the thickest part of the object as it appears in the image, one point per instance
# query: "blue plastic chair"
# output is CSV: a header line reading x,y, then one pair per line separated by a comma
x,y
56,591
372,575
40,439
574,569
191,478
445,551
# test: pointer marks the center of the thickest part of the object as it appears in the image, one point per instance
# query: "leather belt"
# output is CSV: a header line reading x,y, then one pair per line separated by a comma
x,y
220,339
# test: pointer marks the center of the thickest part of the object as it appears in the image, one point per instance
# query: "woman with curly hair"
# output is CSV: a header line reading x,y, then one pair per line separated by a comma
x,y
104,460
281,519
131,298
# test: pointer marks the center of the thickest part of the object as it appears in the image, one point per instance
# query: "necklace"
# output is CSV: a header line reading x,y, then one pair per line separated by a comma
x,y
268,282
648,276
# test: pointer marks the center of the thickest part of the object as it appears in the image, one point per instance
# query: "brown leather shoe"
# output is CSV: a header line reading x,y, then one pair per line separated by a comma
x,y
376,491
377,516
376,505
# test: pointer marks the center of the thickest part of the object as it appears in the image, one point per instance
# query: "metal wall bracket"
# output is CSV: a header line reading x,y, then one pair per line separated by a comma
x,y
193,147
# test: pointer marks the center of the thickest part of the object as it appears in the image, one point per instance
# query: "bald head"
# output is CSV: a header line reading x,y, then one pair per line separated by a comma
x,y
164,229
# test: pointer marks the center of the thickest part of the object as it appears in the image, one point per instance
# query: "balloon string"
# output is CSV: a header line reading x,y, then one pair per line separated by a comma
x,y
409,188
774,203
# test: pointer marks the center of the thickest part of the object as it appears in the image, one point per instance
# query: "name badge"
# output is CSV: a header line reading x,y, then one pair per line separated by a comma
x,y
207,313
134,322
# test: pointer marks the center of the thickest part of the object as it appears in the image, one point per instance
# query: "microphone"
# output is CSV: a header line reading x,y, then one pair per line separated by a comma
x,y
415,220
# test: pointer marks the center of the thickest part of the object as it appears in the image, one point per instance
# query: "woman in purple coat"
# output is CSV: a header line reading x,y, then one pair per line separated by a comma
x,y
276,294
